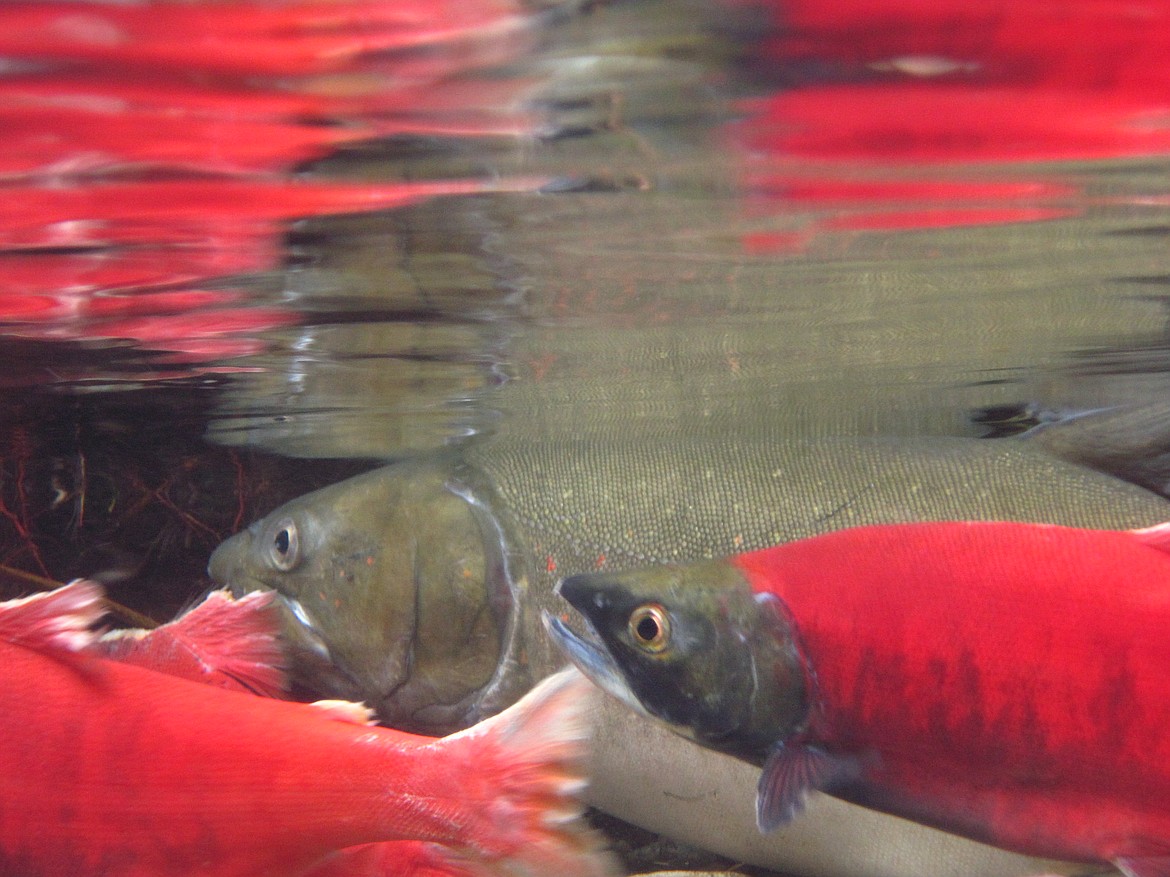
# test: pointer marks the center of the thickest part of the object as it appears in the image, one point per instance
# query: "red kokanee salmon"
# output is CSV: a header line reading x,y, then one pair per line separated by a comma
x,y
119,770
1005,681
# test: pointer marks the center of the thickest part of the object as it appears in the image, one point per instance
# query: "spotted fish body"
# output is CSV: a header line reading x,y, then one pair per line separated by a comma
x,y
1004,681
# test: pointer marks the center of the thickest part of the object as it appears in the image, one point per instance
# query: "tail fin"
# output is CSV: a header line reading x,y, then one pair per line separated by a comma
x,y
530,764
60,619
227,642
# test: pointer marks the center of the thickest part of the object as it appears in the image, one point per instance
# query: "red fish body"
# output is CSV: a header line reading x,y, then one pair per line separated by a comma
x,y
1008,681
119,770
1005,681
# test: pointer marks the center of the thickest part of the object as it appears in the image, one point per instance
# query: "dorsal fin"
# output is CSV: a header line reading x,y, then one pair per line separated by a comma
x,y
223,641
1157,536
60,619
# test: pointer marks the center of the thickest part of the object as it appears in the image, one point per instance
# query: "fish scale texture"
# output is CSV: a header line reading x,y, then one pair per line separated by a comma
x,y
620,505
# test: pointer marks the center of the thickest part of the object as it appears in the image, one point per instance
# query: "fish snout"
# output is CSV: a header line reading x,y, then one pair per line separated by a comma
x,y
588,593
228,560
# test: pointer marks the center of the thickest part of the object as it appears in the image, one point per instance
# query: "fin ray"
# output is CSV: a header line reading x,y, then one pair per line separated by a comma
x,y
63,618
531,765
222,641
790,772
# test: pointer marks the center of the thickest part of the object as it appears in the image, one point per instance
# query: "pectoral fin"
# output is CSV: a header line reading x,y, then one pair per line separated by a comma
x,y
790,772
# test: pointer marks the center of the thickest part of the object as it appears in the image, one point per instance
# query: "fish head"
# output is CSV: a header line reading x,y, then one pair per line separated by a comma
x,y
694,647
395,590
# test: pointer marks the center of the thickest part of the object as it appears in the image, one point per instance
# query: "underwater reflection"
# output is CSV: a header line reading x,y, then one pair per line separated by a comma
x,y
154,154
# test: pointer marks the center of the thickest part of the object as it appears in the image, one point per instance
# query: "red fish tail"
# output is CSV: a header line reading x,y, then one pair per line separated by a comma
x,y
62,619
527,770
227,642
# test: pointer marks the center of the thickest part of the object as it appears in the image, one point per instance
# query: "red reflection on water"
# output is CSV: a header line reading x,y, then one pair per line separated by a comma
x,y
126,268
149,148
951,93
297,38
103,213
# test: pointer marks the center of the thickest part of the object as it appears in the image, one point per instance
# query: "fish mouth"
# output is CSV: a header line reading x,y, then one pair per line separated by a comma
x,y
308,636
592,659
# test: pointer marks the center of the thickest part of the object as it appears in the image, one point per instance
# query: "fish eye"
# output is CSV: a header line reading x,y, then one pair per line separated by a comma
x,y
284,548
649,626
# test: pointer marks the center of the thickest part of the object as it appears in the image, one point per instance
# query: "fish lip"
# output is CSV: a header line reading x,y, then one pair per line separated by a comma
x,y
592,659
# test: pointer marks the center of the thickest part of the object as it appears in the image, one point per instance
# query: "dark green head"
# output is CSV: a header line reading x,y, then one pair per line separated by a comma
x,y
693,647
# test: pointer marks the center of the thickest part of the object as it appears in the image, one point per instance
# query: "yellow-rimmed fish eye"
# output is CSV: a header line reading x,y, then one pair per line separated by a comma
x,y
284,545
649,627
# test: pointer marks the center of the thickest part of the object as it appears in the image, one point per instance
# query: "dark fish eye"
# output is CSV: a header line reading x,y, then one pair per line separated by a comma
x,y
284,549
649,627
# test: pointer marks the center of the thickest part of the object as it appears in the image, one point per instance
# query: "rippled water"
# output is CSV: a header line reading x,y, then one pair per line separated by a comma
x,y
355,239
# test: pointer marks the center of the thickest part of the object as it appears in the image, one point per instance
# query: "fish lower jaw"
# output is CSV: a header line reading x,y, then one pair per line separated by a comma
x,y
592,660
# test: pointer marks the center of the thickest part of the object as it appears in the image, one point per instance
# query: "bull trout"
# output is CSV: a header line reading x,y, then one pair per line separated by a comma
x,y
1001,680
